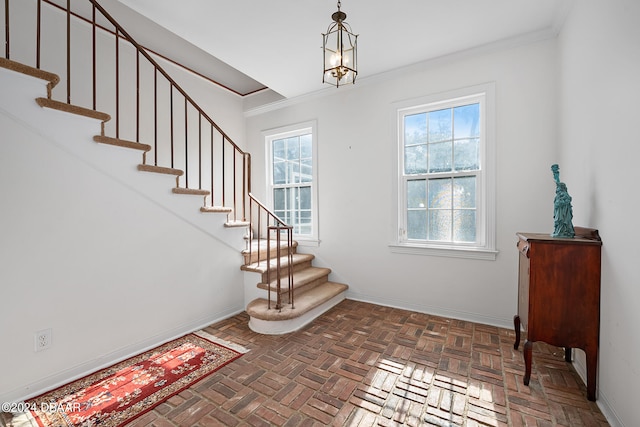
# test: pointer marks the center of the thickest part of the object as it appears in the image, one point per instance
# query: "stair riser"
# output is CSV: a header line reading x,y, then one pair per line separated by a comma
x,y
284,271
297,286
262,255
297,291
259,250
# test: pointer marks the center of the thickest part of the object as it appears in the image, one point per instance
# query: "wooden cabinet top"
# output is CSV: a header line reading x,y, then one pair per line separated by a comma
x,y
584,236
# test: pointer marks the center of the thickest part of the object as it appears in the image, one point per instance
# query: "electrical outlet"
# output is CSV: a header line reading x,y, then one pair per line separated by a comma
x,y
43,339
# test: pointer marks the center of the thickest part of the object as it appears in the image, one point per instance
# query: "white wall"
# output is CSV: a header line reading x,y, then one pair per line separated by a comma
x,y
103,254
357,151
600,87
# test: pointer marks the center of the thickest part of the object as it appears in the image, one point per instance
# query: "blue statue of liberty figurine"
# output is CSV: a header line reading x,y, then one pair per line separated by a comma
x,y
562,210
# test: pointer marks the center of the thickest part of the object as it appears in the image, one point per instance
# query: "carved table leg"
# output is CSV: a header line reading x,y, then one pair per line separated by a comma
x,y
527,350
567,354
516,325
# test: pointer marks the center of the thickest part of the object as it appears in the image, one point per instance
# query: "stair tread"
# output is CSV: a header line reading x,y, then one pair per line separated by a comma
x,y
73,109
215,209
236,223
160,169
304,303
262,267
190,191
121,143
300,278
52,78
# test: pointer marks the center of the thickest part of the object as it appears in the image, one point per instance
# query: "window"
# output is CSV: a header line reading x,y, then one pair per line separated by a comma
x,y
445,179
292,176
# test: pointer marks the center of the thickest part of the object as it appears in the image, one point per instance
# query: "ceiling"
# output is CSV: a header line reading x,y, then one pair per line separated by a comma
x,y
246,45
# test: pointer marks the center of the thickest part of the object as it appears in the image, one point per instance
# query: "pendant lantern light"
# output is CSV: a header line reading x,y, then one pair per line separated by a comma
x,y
339,47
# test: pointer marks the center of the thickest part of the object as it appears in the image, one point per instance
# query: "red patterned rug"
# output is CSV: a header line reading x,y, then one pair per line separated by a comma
x,y
116,395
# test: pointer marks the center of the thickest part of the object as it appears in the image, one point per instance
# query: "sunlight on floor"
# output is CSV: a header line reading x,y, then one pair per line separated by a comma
x,y
413,393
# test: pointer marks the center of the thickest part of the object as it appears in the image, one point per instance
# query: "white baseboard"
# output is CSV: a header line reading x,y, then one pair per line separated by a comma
x,y
433,310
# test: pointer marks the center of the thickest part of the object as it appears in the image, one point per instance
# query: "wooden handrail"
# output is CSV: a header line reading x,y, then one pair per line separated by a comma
x,y
144,53
263,207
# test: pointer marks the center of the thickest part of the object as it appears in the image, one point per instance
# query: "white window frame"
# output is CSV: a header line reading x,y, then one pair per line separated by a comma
x,y
287,132
485,246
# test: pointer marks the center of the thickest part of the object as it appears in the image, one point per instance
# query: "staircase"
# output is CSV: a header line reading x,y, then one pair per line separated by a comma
x,y
272,309
310,294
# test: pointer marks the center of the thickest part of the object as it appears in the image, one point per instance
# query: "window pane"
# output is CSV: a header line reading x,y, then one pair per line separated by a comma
x,y
464,192
417,193
293,148
466,120
467,154
304,229
464,229
305,216
440,225
415,159
440,157
415,129
293,172
279,173
278,150
417,224
304,198
305,226
440,128
305,146
440,193
306,170
278,199
289,202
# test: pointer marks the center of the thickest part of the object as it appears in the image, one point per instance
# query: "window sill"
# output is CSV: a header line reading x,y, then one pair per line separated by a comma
x,y
445,251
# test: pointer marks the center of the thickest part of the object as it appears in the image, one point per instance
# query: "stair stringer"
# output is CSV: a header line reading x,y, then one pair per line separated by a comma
x,y
69,131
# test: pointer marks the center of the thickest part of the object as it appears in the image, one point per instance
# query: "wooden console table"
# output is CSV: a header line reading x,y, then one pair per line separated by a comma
x,y
559,296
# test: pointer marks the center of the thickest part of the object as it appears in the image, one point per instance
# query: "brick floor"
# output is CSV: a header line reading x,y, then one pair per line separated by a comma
x,y
366,365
